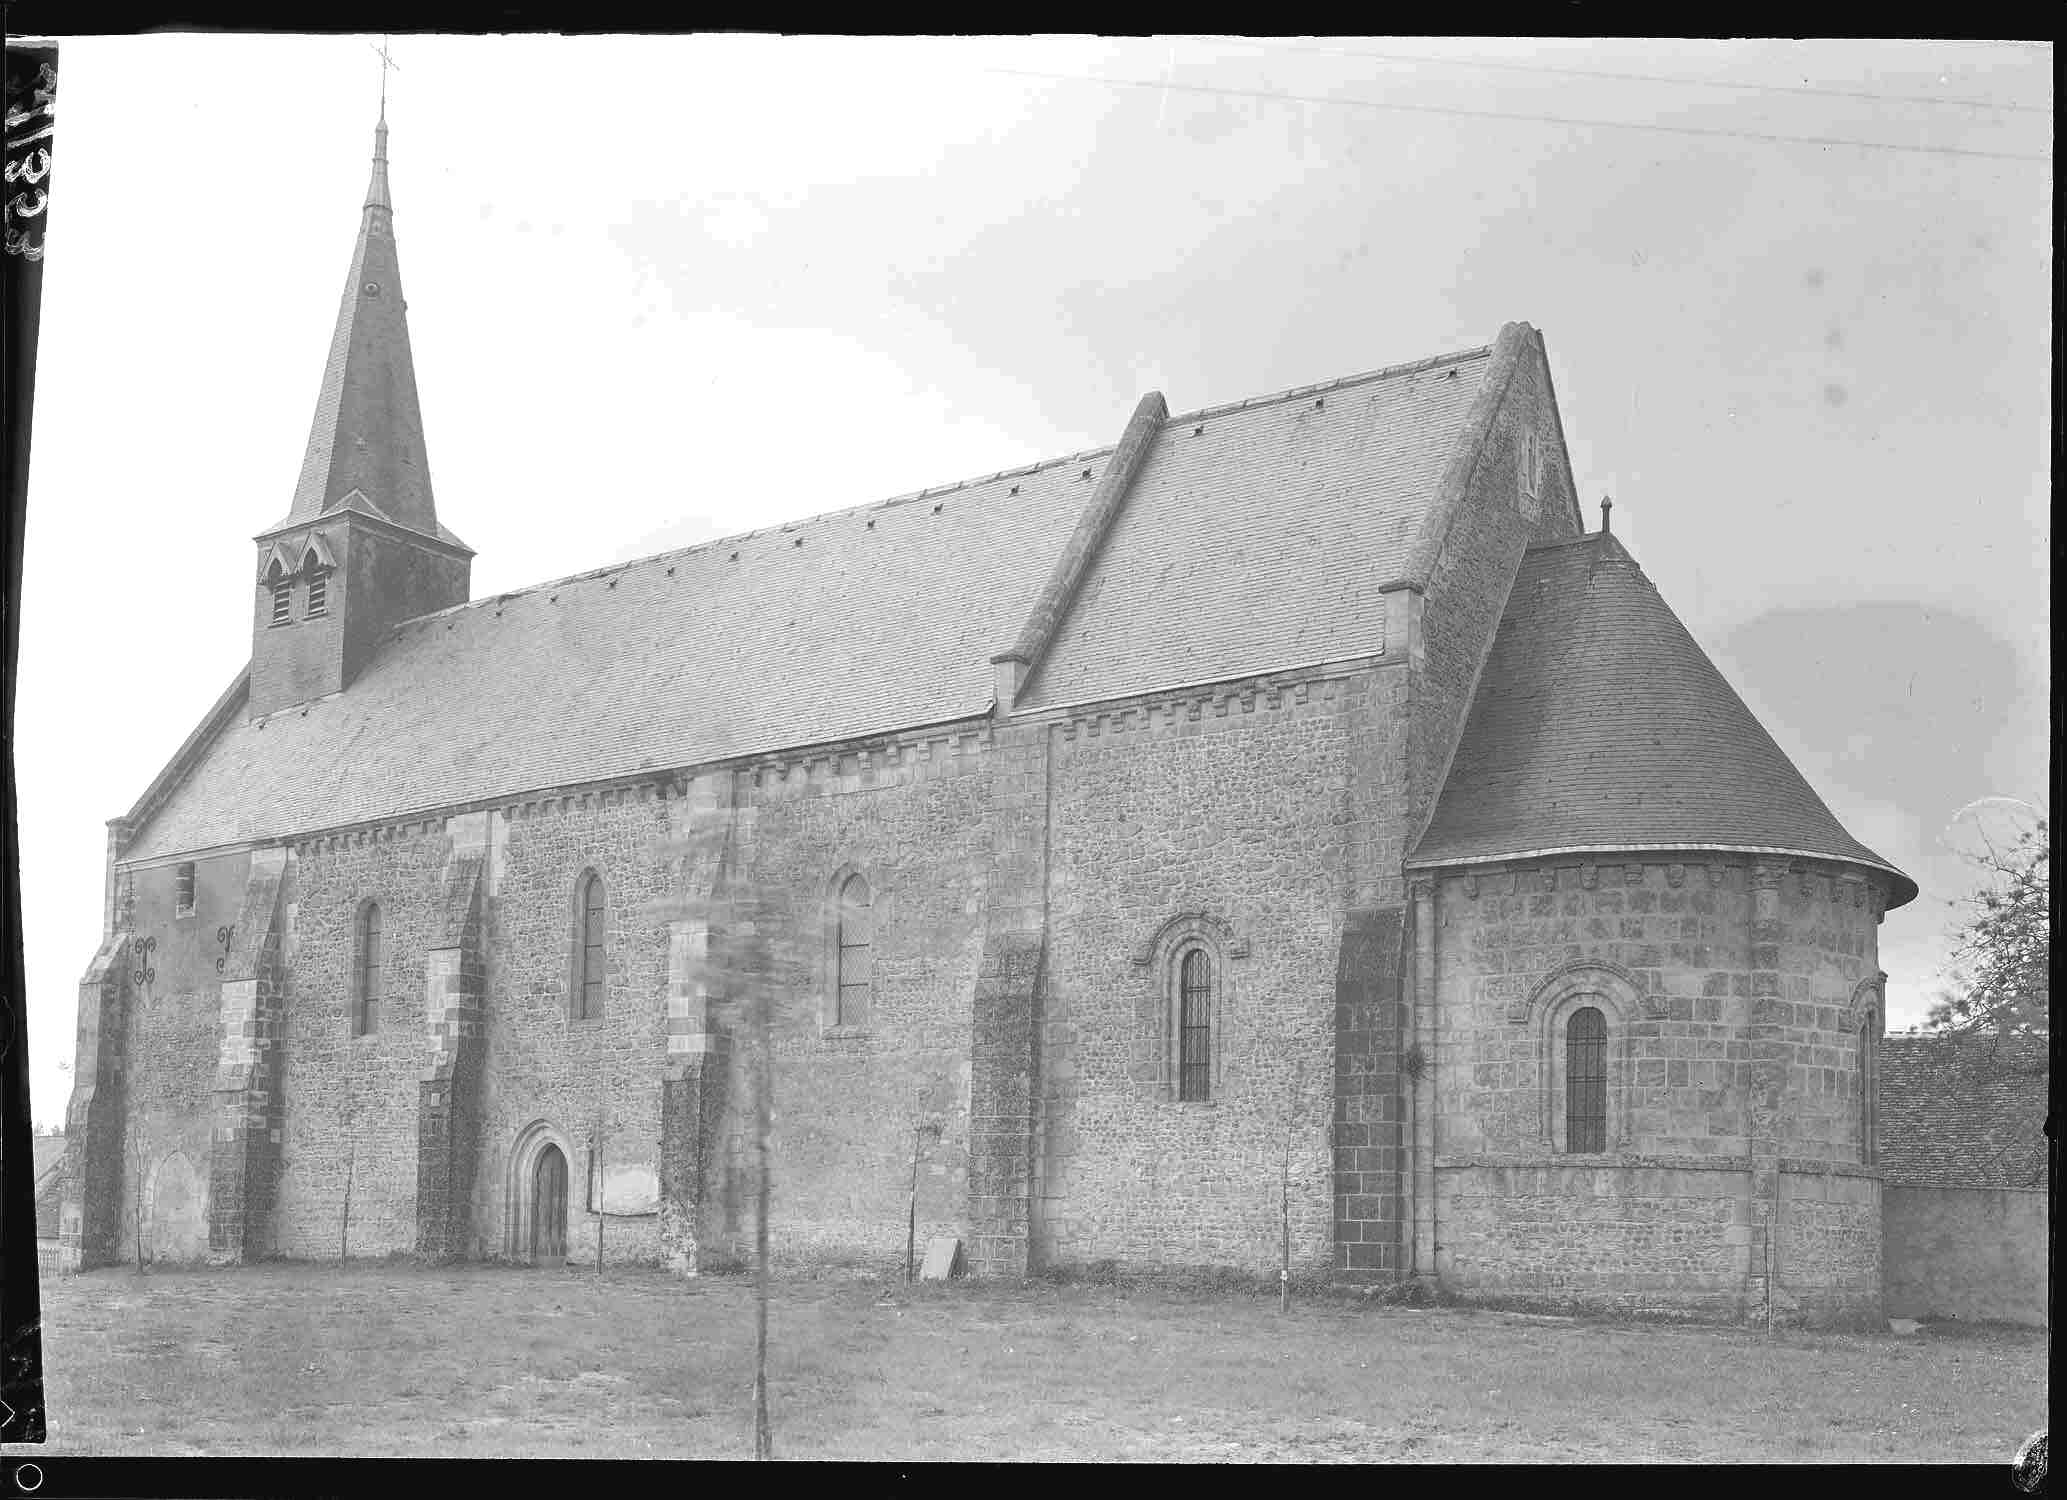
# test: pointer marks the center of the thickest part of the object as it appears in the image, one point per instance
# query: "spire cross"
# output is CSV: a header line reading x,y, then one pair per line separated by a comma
x,y
386,62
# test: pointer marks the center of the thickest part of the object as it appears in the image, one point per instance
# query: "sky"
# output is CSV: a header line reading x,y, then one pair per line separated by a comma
x,y
1796,298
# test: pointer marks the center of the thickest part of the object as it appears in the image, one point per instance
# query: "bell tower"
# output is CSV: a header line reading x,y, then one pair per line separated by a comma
x,y
360,549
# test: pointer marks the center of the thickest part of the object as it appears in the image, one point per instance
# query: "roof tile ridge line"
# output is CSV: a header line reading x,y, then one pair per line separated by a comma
x,y
183,759
778,528
1260,680
1450,493
1094,523
1557,425
1013,471
1466,454
1384,372
907,496
1552,544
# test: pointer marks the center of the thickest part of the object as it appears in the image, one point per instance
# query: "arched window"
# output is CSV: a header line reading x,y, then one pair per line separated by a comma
x,y
587,989
366,972
853,941
319,593
1586,1080
1195,1026
1866,1060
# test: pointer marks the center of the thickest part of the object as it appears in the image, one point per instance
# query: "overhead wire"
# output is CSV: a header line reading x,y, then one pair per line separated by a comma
x,y
1604,75
1455,111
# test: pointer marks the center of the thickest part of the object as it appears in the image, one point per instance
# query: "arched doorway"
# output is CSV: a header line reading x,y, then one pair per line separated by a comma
x,y
548,1242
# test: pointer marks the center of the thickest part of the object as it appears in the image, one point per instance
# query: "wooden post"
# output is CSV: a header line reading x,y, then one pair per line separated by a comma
x,y
601,1178
764,1436
911,1219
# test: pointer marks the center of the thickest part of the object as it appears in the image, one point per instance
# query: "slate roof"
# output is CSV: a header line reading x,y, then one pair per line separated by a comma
x,y
1261,542
367,435
1963,1112
858,622
49,1155
1599,724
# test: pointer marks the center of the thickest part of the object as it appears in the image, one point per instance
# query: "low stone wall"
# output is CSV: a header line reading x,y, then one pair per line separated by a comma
x,y
1621,1238
1656,1235
1970,1253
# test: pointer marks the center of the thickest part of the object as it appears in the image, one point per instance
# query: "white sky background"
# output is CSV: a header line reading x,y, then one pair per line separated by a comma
x,y
668,288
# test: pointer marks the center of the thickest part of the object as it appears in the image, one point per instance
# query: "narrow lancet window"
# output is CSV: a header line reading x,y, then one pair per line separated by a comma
x,y
856,941
1586,1081
1195,1026
366,975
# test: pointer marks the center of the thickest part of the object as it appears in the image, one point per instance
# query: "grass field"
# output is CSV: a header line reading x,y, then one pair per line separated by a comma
x,y
395,1361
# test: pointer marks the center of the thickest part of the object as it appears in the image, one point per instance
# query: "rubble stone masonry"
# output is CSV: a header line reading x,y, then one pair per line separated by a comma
x,y
1734,990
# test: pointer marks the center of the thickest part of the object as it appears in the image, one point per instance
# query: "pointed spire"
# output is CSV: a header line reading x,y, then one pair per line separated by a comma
x,y
377,189
366,446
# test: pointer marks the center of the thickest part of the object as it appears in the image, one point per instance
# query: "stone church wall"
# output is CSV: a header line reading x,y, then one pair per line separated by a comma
x,y
1710,1033
1229,808
350,1102
543,1067
171,1027
911,818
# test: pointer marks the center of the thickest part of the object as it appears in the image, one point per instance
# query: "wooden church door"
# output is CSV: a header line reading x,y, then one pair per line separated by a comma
x,y
549,1208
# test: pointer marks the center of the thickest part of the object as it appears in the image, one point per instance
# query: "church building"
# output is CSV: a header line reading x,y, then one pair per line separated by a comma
x,y
1290,819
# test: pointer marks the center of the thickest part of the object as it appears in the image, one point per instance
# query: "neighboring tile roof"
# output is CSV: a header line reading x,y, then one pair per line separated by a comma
x,y
1963,1112
50,1155
1262,542
1599,724
884,618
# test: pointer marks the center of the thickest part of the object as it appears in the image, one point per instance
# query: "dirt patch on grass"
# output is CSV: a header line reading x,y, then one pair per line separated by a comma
x,y
396,1361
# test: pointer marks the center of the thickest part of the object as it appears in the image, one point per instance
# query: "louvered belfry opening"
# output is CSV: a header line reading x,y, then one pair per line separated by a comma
x,y
1586,1081
1195,1027
283,601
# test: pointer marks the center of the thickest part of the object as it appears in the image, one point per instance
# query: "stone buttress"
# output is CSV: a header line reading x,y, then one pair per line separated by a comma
x,y
449,1087
244,1154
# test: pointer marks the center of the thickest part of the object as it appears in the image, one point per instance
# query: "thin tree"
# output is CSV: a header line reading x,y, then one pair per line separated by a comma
x,y
922,1130
599,1179
137,1065
2003,950
351,1134
748,971
1292,1094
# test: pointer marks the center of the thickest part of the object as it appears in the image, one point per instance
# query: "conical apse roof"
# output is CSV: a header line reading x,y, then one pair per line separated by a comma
x,y
1600,725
